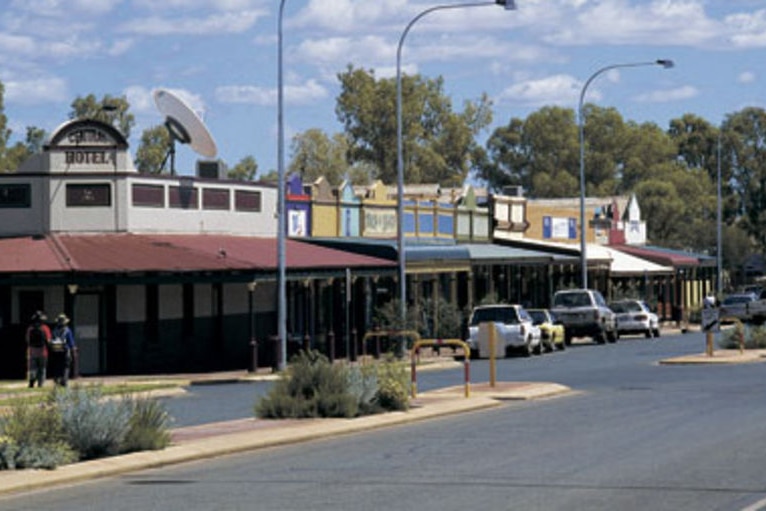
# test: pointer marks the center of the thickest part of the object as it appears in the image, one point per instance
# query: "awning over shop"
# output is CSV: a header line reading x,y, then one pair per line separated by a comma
x,y
134,253
626,265
662,256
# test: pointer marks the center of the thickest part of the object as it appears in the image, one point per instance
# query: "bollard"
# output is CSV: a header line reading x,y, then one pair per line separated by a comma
x,y
413,372
253,355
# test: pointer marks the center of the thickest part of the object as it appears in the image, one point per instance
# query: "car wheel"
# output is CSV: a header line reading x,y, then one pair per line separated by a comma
x,y
657,332
612,336
550,345
648,333
600,338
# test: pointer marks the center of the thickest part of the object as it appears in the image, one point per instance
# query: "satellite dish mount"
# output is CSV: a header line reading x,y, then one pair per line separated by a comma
x,y
184,126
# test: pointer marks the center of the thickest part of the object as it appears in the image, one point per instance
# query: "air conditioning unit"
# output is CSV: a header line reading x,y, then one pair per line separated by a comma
x,y
513,191
211,169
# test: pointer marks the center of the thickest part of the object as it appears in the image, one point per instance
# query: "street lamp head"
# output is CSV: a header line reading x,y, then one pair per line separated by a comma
x,y
666,63
510,5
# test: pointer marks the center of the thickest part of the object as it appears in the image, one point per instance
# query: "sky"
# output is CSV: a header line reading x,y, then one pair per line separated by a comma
x,y
220,57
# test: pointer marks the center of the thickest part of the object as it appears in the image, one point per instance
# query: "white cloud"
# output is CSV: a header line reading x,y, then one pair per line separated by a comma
x,y
302,94
339,51
40,90
748,29
226,23
62,8
347,15
656,22
665,96
140,99
557,89
746,77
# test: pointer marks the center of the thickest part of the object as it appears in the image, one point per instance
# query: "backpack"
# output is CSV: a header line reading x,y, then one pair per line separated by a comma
x,y
37,337
57,343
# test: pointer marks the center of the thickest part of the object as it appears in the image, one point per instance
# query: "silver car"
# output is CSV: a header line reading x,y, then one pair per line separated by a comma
x,y
635,317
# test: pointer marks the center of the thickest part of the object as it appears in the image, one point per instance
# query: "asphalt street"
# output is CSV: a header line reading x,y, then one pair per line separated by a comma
x,y
635,435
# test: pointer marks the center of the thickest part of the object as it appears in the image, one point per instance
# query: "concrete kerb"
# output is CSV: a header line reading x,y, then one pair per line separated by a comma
x,y
275,433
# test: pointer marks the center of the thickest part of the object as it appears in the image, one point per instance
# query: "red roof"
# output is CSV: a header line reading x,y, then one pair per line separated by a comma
x,y
656,256
168,252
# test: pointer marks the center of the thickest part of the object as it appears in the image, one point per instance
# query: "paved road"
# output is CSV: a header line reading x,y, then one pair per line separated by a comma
x,y
638,436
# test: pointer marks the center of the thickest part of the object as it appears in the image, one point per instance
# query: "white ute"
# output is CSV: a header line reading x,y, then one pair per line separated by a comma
x,y
514,327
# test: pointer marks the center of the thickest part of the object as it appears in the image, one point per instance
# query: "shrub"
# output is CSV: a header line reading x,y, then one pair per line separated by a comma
x,y
148,427
94,427
393,385
754,337
311,387
314,387
33,437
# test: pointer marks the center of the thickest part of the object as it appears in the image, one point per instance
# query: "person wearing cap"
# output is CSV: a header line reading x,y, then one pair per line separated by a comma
x,y
38,337
62,348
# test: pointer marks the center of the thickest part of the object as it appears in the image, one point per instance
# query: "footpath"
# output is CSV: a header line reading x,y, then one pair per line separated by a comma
x,y
223,438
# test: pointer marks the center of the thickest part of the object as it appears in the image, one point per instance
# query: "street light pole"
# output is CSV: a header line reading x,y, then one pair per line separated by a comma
x,y
719,256
509,5
665,63
281,210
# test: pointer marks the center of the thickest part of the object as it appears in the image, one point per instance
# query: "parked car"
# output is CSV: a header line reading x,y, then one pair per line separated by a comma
x,y
552,332
635,317
584,313
738,306
514,324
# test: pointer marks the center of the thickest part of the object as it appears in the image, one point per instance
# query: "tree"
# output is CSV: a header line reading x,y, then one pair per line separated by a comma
x,y
245,170
316,155
746,146
438,144
153,149
19,152
539,153
109,109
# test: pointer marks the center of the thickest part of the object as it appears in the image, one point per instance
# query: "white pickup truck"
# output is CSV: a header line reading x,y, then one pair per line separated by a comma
x,y
514,325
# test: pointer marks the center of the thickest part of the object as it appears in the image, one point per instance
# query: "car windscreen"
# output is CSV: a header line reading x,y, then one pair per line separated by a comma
x,y
538,317
571,300
505,315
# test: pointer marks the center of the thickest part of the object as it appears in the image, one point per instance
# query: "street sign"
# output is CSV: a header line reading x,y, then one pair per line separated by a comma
x,y
710,320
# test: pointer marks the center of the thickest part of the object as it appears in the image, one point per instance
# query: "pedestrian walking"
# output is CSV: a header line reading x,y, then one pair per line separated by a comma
x,y
62,350
38,337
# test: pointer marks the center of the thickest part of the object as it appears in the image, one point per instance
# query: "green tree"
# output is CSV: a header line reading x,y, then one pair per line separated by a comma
x,y
152,150
245,170
745,149
316,155
438,143
109,109
540,153
20,151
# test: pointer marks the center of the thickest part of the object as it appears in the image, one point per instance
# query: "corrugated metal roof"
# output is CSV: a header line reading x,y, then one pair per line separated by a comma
x,y
31,254
662,257
108,253
489,252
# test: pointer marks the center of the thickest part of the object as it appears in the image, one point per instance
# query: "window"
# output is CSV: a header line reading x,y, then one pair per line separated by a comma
x,y
15,196
88,195
148,195
247,201
213,198
183,197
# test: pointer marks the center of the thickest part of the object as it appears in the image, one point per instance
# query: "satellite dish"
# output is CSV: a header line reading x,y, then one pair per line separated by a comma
x,y
184,126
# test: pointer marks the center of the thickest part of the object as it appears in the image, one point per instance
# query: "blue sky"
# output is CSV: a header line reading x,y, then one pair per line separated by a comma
x,y
220,56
